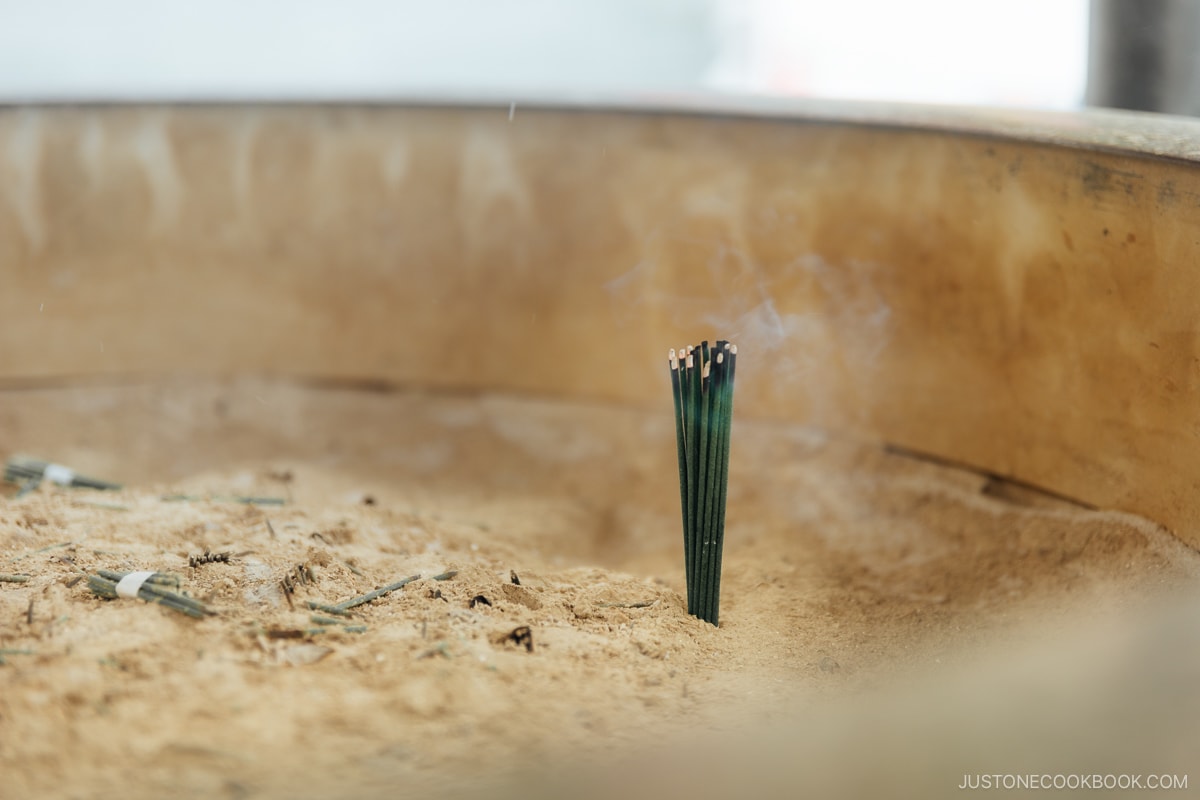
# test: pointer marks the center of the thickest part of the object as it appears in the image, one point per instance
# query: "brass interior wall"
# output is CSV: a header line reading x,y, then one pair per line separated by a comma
x,y
1025,307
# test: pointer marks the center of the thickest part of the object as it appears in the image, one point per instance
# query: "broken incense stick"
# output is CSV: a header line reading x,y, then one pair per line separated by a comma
x,y
12,651
328,609
702,384
108,506
344,606
217,498
40,550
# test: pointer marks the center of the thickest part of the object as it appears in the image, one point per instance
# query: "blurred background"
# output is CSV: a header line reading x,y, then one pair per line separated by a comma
x,y
1028,53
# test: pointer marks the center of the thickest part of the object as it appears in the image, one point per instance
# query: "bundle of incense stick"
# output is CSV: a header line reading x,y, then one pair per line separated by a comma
x,y
702,380
153,589
30,472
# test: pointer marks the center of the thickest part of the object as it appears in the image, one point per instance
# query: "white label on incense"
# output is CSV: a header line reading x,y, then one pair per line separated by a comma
x,y
57,473
131,584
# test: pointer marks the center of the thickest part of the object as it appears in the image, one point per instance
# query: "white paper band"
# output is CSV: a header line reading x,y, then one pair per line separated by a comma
x,y
57,473
131,583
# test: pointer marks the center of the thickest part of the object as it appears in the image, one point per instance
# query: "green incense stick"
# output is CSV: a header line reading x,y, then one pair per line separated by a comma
x,y
679,387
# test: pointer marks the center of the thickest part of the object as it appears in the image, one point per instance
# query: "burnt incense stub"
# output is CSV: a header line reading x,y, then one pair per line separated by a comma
x,y
702,383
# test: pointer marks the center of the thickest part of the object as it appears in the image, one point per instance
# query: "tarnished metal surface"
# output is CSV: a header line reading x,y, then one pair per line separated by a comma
x,y
1017,292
